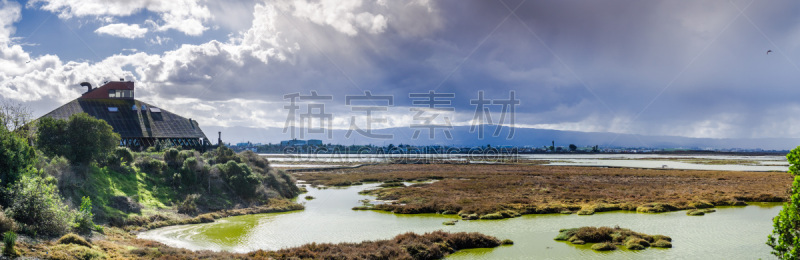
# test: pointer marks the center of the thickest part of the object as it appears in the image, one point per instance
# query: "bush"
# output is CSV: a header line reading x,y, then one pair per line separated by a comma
x,y
123,154
661,243
150,165
9,240
604,247
38,207
785,238
57,167
495,215
81,139
636,243
84,220
6,223
16,158
189,204
240,176
74,239
224,154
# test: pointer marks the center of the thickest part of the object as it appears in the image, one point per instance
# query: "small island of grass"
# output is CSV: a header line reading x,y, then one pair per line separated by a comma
x,y
607,238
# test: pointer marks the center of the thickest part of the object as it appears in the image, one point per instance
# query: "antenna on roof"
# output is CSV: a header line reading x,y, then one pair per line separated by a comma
x,y
88,85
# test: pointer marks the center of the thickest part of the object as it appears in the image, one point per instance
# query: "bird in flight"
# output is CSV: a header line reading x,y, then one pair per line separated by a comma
x,y
768,51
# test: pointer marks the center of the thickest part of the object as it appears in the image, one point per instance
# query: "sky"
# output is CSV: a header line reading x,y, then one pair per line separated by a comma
x,y
678,68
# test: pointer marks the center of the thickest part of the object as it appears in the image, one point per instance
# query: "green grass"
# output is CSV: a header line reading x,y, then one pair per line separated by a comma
x,y
102,184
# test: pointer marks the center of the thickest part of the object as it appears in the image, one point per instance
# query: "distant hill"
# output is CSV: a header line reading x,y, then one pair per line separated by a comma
x,y
461,136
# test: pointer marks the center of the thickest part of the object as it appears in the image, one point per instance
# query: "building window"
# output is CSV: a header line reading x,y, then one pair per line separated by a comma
x,y
118,93
134,108
155,110
144,108
113,109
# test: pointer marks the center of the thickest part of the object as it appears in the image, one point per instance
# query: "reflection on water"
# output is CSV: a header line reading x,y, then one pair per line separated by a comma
x,y
729,233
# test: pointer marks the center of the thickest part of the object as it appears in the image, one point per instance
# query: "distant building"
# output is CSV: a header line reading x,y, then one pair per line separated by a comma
x,y
293,142
315,142
138,123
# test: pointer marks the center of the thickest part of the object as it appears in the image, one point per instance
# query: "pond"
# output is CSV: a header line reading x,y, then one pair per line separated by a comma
x,y
731,232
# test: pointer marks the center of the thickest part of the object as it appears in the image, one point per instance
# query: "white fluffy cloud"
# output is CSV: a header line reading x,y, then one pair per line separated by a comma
x,y
130,31
344,16
187,16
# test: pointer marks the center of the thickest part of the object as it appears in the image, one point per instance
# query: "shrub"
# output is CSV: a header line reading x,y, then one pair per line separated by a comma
x,y
633,243
70,252
495,215
189,204
9,240
224,155
57,167
240,176
785,239
507,242
74,239
172,158
84,220
123,154
604,247
16,158
700,205
150,165
661,243
6,223
38,207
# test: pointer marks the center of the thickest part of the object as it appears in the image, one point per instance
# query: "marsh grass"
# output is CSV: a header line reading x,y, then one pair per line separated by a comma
x,y
608,238
532,189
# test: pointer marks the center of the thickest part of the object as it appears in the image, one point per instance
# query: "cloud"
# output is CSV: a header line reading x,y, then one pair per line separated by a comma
x,y
130,31
187,16
341,15
657,68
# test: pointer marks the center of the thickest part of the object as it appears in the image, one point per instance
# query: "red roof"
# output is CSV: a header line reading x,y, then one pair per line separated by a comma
x,y
102,92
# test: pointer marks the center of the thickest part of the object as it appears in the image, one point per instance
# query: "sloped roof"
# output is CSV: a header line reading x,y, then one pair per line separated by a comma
x,y
130,123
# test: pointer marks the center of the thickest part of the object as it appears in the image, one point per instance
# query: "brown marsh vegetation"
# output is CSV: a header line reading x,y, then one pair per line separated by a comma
x,y
507,190
118,244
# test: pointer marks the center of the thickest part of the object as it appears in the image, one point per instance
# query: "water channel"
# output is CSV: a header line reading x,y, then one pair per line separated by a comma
x,y
729,233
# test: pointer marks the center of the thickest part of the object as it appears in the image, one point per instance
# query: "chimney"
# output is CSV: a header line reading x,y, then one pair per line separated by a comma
x,y
88,85
219,141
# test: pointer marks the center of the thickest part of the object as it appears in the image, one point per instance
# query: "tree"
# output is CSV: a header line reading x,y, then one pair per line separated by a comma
x,y
14,115
81,139
51,136
16,157
785,238
572,147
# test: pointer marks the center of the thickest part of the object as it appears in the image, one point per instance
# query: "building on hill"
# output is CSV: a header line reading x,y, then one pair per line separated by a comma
x,y
139,124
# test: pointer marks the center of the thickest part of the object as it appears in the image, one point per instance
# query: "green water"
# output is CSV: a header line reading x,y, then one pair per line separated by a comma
x,y
729,233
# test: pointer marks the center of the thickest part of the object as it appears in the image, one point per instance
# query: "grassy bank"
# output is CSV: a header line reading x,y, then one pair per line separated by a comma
x,y
154,189
118,244
500,191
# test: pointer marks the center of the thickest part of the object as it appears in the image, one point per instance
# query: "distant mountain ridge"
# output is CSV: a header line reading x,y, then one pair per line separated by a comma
x,y
531,137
